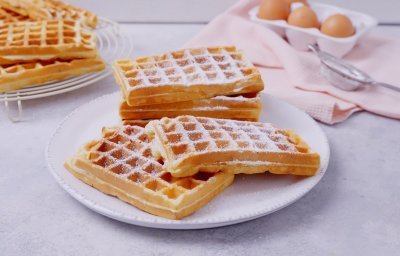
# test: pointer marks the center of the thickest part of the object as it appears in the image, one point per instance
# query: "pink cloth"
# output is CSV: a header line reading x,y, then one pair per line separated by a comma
x,y
294,75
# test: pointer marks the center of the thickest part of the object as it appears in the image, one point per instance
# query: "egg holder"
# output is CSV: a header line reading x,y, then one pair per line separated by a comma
x,y
299,37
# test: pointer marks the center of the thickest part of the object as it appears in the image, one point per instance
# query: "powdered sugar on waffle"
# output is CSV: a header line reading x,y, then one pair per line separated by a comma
x,y
188,134
126,152
210,108
46,33
189,67
239,98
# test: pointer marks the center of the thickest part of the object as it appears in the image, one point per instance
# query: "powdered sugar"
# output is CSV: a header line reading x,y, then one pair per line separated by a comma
x,y
208,66
210,108
187,135
125,152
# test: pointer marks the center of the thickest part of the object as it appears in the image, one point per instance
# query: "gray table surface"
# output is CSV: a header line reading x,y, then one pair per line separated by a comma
x,y
354,210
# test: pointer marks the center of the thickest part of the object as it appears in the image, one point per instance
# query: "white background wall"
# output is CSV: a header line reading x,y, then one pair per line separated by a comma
x,y
386,11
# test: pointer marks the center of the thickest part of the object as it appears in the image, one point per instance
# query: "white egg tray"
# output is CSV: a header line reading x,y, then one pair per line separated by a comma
x,y
299,38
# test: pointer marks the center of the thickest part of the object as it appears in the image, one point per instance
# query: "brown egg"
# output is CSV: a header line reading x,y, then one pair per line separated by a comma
x,y
274,10
338,25
297,1
303,17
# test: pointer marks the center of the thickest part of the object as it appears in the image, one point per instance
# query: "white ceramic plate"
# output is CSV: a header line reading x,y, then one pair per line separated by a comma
x,y
249,197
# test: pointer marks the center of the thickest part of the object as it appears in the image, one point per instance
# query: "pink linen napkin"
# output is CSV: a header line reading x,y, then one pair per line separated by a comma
x,y
294,76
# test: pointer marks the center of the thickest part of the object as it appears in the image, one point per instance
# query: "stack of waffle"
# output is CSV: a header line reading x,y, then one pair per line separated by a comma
x,y
45,40
174,166
214,82
190,149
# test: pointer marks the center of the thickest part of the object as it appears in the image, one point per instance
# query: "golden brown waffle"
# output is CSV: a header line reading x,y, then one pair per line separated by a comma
x,y
121,164
137,122
144,122
29,74
187,74
45,40
189,144
7,16
241,107
50,10
16,6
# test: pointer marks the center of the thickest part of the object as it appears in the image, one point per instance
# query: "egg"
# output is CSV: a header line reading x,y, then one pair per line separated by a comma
x,y
303,17
274,10
338,25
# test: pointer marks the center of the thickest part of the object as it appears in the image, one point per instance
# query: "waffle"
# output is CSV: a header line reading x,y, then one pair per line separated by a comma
x,y
18,76
144,122
121,164
15,6
44,40
187,74
189,144
7,16
50,10
243,107
137,122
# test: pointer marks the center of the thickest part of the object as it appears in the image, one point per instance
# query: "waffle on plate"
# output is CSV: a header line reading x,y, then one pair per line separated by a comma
x,y
190,144
238,107
187,74
121,164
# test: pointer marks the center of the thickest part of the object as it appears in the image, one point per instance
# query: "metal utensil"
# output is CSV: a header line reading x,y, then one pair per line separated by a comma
x,y
343,75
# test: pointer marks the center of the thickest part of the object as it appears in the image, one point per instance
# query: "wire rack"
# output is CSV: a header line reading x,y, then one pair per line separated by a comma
x,y
111,44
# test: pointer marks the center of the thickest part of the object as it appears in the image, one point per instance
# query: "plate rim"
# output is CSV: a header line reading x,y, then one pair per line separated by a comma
x,y
178,224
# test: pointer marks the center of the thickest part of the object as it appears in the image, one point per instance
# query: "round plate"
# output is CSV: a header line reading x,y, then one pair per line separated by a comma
x,y
249,197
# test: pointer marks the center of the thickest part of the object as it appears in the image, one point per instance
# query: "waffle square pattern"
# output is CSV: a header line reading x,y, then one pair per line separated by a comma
x,y
121,164
50,10
56,9
44,40
191,144
10,16
187,74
